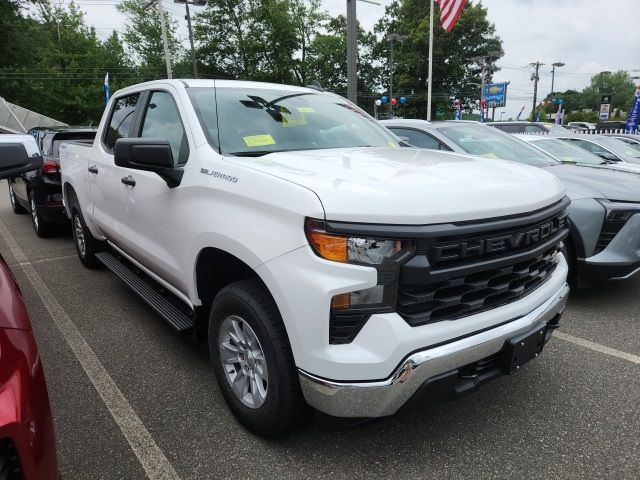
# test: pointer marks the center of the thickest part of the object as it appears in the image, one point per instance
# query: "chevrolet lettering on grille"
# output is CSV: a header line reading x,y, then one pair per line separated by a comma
x,y
499,243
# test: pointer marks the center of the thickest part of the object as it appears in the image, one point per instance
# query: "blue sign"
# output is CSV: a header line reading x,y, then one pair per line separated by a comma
x,y
634,115
495,94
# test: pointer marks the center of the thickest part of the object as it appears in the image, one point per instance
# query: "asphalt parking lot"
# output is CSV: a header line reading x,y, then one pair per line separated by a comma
x,y
133,400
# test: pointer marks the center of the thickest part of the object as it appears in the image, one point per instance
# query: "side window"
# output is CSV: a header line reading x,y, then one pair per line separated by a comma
x,y
47,144
588,146
162,120
418,139
121,118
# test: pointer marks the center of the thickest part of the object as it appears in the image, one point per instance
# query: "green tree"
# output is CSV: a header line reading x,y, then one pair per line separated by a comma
x,y
617,84
328,59
457,54
143,38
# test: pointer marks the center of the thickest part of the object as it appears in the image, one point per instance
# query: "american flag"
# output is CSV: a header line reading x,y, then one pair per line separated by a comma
x,y
450,11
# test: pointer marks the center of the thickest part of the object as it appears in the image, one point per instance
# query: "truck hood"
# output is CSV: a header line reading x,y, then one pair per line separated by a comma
x,y
411,186
584,181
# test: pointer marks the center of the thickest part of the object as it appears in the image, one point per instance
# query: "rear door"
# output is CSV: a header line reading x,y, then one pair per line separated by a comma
x,y
104,176
154,227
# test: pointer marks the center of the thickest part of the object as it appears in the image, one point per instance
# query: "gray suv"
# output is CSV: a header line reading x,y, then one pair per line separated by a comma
x,y
604,242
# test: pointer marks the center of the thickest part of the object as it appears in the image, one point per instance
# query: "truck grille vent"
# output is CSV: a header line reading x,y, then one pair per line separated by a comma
x,y
473,293
344,328
610,228
10,468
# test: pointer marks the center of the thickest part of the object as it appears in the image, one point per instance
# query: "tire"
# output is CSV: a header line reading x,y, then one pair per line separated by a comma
x,y
86,244
15,206
282,406
43,229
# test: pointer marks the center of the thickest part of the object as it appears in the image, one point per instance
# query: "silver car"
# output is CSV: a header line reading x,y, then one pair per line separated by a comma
x,y
604,242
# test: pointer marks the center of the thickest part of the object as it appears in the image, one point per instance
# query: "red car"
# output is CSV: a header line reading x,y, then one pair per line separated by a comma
x,y
27,440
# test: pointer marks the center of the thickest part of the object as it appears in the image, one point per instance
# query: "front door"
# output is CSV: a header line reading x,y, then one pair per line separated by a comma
x,y
155,228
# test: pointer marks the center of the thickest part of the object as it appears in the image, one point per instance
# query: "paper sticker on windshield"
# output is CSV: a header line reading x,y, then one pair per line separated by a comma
x,y
567,159
489,155
258,140
306,110
392,145
293,119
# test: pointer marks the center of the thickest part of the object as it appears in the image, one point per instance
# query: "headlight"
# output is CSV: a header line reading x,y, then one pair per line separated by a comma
x,y
384,254
619,211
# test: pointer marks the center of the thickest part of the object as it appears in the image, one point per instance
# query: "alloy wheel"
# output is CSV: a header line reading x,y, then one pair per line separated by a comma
x,y
34,214
79,234
243,361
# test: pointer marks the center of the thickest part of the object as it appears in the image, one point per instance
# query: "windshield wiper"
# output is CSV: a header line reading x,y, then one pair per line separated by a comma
x,y
253,153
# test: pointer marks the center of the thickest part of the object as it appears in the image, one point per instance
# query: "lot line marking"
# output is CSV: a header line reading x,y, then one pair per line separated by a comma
x,y
597,347
45,260
154,462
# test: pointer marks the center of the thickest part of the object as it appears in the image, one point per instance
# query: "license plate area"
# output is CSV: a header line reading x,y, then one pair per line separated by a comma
x,y
523,348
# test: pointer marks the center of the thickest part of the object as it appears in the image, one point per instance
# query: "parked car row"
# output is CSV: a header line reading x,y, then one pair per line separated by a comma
x,y
27,440
605,232
326,264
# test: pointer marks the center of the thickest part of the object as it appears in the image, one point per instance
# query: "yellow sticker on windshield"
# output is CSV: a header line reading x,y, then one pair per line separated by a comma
x,y
392,145
567,159
306,110
258,140
293,119
489,155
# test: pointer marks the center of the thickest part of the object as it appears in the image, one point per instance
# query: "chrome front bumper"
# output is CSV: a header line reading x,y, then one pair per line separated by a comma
x,y
385,397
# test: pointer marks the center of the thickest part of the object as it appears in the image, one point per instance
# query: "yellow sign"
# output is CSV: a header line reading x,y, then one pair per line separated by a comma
x,y
258,140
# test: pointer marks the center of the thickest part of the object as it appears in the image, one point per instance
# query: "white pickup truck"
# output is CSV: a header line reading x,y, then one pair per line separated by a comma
x,y
324,263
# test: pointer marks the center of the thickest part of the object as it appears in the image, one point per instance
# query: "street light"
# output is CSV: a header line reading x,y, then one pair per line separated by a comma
x,y
393,37
553,77
195,3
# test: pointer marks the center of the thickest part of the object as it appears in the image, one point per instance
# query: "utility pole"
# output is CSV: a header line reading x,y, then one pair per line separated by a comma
x,y
352,49
535,77
163,29
352,52
187,17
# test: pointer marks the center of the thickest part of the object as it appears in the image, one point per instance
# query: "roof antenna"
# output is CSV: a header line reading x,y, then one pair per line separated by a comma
x,y
316,86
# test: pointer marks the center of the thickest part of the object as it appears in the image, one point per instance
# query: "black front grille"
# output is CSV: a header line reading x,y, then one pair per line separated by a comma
x,y
10,468
473,293
610,229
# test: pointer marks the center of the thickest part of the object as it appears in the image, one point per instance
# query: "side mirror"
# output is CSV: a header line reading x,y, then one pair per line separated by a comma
x,y
19,156
150,155
609,156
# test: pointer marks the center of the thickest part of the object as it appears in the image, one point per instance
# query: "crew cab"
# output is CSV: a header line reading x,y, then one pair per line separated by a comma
x,y
323,263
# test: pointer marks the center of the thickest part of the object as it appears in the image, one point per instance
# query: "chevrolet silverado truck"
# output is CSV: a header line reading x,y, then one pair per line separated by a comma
x,y
324,264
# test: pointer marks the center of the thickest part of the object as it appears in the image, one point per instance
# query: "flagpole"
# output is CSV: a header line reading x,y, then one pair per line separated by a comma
x,y
430,64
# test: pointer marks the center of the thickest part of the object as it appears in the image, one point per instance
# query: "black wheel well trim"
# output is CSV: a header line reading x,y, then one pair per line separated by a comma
x,y
576,242
208,261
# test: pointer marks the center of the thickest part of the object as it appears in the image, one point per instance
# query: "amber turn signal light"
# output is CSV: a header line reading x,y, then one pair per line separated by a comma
x,y
329,247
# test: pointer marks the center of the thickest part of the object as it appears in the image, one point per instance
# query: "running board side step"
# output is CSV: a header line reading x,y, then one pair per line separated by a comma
x,y
178,320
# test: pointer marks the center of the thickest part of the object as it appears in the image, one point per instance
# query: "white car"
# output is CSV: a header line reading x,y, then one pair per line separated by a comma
x,y
324,264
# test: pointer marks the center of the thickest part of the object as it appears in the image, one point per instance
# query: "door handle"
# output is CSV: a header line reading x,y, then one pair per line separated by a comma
x,y
93,169
128,180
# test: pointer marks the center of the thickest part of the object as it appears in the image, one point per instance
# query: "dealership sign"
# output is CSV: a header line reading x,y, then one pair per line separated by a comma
x,y
495,94
605,107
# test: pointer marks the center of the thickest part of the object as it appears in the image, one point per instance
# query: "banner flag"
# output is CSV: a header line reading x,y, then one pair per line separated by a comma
x,y
634,114
105,88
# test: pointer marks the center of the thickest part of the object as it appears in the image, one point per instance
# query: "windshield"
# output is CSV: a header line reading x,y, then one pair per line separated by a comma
x,y
493,143
566,152
258,121
634,143
619,147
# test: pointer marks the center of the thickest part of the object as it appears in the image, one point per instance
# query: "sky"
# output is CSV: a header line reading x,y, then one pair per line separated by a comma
x,y
589,36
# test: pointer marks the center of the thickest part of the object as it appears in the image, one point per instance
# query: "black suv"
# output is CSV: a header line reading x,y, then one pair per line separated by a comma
x,y
40,192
